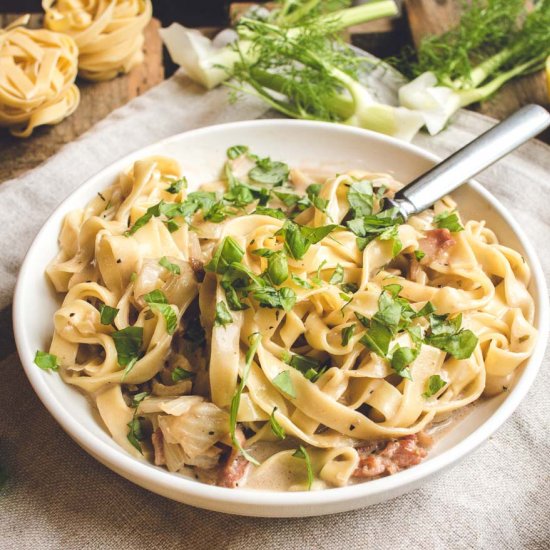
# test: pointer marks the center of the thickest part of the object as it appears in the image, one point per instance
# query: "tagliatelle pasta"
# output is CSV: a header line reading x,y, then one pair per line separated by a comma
x,y
108,33
280,330
37,72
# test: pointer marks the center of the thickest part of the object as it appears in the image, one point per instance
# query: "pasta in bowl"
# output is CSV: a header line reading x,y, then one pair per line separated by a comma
x,y
268,326
270,312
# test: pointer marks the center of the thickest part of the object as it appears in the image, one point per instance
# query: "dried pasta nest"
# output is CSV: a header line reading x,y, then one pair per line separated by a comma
x,y
108,33
37,73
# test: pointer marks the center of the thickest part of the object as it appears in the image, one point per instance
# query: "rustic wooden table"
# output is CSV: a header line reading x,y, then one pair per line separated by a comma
x,y
382,38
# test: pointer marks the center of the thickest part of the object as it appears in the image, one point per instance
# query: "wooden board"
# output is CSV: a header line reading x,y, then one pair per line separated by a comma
x,y
98,99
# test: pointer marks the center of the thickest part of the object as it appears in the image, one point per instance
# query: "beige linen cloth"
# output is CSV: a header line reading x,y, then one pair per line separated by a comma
x,y
56,496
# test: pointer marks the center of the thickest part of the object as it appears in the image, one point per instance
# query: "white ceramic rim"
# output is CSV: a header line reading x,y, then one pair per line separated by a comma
x,y
147,475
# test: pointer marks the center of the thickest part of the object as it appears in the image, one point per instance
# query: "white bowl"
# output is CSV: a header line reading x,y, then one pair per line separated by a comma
x,y
202,153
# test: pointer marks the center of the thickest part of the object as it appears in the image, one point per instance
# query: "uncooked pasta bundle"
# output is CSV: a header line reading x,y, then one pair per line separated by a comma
x,y
109,33
37,73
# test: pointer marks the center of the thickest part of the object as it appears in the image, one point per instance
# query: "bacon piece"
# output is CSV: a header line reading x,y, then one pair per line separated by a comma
x,y
158,445
434,244
235,466
233,471
396,455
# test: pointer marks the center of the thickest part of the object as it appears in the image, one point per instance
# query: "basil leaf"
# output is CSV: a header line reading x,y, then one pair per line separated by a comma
x,y
392,234
394,289
284,383
350,288
313,191
216,213
276,428
347,333
228,252
418,254
298,238
415,332
338,275
157,301
288,199
181,374
460,345
274,213
268,172
239,195
46,361
310,367
167,264
360,198
448,220
143,220
389,311
363,319
426,310
223,315
128,342
172,226
236,151
277,268
302,454
402,357
263,252
135,433
254,341
107,314
377,338
284,298
177,186
300,282
434,384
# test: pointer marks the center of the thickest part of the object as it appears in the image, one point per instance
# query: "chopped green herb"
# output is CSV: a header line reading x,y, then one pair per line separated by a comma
x,y
263,252
349,288
276,428
236,151
447,335
313,191
181,374
239,195
298,238
418,254
155,210
377,338
277,268
228,252
347,333
360,198
284,383
177,186
107,314
310,367
135,431
167,264
272,212
128,342
363,319
254,341
302,454
46,361
223,315
383,225
283,298
448,220
338,275
268,172
402,357
157,301
434,384
394,289
300,282
172,226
